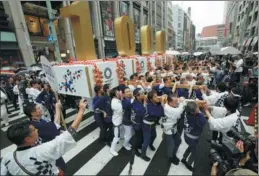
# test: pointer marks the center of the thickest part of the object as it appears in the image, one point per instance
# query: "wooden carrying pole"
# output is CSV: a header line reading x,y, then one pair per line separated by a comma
x,y
61,114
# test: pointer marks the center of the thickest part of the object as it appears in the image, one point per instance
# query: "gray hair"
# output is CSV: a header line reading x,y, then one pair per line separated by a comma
x,y
191,107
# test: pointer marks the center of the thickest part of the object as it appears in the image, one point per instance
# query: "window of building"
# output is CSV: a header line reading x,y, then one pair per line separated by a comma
x,y
238,19
240,8
255,16
179,25
252,6
249,20
252,31
124,8
237,31
244,3
256,3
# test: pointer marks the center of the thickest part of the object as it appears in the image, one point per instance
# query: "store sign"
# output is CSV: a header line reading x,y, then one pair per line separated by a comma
x,y
126,33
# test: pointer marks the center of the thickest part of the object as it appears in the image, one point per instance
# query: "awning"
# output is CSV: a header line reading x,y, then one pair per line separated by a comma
x,y
244,42
254,40
248,42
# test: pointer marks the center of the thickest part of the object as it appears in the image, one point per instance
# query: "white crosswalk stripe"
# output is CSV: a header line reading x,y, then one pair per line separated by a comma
x,y
93,163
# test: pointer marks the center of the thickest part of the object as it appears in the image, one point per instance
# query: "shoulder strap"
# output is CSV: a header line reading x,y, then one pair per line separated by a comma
x,y
19,164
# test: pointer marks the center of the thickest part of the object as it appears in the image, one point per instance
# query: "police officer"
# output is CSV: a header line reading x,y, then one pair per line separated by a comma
x,y
137,115
155,111
173,110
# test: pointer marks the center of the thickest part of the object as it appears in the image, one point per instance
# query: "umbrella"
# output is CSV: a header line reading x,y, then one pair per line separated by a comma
x,y
22,72
197,53
229,50
172,52
215,50
7,68
185,53
6,72
35,68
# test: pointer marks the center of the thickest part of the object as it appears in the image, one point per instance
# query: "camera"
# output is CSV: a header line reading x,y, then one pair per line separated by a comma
x,y
248,140
226,154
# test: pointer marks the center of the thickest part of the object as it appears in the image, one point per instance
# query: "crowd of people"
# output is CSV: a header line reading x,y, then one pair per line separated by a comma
x,y
178,98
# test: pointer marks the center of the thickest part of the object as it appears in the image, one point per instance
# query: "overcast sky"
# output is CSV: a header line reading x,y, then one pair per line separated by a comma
x,y
204,13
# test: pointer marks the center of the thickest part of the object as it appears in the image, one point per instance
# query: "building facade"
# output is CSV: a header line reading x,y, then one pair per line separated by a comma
x,y
33,15
241,25
178,25
9,49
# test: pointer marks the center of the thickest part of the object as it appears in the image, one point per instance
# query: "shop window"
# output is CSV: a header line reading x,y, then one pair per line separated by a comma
x,y
33,24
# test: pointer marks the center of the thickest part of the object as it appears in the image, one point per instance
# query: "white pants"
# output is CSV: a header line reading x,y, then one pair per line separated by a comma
x,y
127,135
4,114
20,102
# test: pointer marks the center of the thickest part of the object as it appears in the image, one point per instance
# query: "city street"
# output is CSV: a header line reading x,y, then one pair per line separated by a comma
x,y
90,157
129,87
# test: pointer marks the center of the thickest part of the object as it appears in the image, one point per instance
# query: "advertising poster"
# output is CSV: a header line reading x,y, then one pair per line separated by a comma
x,y
107,18
124,9
136,16
49,72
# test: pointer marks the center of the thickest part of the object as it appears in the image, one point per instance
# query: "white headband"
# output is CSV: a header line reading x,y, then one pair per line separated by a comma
x,y
235,95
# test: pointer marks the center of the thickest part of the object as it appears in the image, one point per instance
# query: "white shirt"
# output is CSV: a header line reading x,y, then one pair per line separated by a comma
x,y
238,64
46,154
3,96
220,122
171,117
213,98
117,112
32,93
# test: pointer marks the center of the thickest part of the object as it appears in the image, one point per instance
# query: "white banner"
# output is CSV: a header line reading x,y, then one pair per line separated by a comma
x,y
50,74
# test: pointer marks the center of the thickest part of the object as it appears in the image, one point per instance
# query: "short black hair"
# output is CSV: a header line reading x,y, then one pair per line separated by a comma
x,y
97,88
124,88
146,74
165,79
132,77
18,132
171,96
141,76
151,94
222,87
231,104
190,108
149,79
29,108
113,92
106,87
33,82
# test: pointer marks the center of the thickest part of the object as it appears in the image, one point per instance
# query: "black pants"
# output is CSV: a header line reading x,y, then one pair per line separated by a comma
x,y
191,152
106,131
180,124
173,142
216,137
238,76
138,139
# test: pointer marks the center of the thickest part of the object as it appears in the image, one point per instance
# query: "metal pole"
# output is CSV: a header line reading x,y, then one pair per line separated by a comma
x,y
53,30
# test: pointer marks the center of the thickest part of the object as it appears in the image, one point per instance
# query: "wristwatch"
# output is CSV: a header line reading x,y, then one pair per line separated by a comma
x,y
72,131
